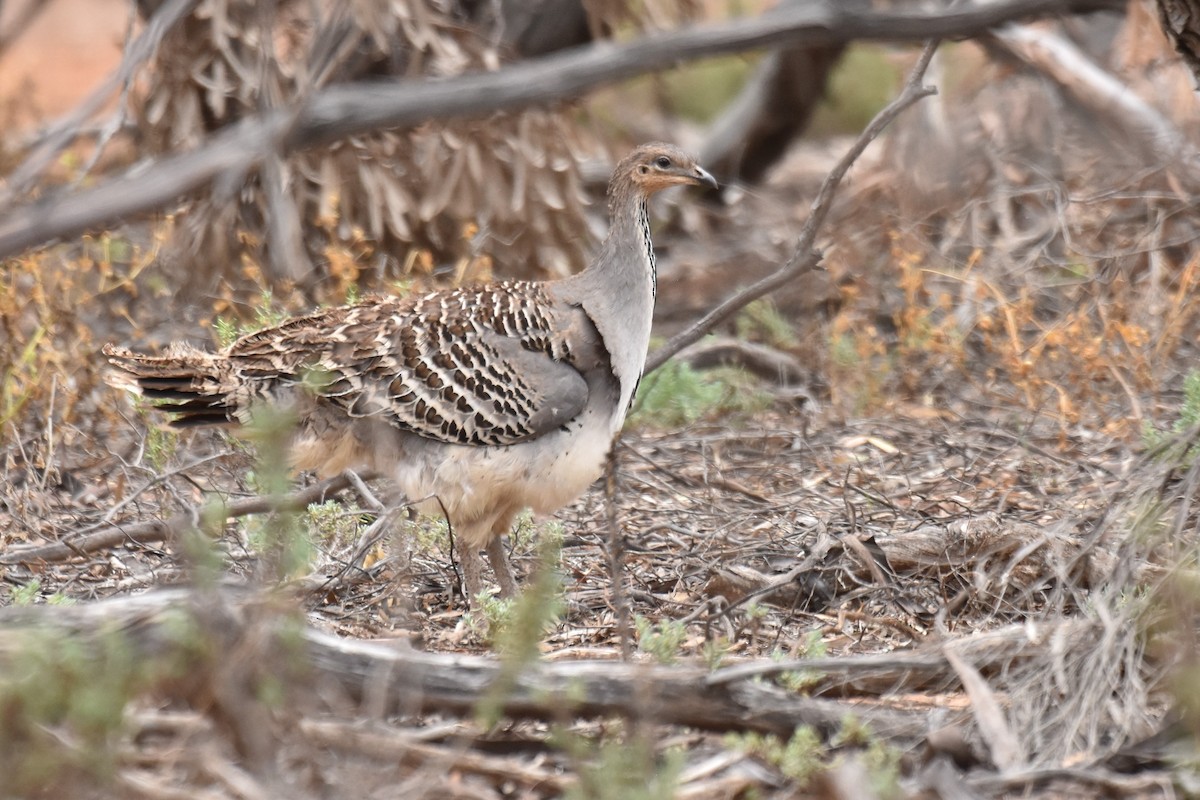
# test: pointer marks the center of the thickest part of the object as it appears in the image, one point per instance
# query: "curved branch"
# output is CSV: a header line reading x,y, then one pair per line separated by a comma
x,y
805,257
351,109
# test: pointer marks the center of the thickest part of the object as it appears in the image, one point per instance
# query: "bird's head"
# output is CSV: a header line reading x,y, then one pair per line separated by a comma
x,y
653,167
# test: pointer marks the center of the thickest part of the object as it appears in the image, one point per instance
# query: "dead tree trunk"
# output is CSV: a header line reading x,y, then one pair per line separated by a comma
x,y
773,109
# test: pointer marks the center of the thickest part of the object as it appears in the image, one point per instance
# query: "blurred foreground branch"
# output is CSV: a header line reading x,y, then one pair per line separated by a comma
x,y
400,680
351,109
110,535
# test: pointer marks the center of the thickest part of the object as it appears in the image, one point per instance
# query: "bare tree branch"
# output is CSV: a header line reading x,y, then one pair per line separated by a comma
x,y
351,109
1098,91
154,531
402,680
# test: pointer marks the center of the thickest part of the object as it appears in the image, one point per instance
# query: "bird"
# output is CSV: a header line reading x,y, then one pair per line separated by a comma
x,y
477,402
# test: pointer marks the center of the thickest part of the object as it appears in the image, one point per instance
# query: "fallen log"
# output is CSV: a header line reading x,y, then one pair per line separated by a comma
x,y
250,633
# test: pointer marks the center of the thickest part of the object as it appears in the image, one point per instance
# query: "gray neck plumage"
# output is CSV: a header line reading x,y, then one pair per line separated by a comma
x,y
618,290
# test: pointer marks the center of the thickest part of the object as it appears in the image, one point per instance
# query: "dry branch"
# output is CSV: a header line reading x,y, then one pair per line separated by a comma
x,y
352,109
805,257
155,531
1098,91
403,681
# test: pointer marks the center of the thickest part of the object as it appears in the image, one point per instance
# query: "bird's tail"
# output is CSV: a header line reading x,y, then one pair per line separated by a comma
x,y
193,385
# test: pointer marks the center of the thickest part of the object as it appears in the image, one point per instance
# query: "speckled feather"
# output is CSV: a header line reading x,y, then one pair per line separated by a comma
x,y
485,365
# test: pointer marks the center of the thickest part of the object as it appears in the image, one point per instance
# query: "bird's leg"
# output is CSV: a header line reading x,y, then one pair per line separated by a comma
x,y
499,559
472,567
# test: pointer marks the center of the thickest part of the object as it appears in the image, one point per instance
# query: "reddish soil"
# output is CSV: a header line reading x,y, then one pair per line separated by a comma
x,y
63,55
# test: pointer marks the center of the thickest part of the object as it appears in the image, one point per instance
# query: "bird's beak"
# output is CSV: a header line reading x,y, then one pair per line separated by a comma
x,y
705,177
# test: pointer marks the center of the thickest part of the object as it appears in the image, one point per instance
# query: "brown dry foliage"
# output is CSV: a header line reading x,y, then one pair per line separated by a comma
x,y
460,194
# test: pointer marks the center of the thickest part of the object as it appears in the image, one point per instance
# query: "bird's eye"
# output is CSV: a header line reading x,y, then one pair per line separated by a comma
x,y
662,162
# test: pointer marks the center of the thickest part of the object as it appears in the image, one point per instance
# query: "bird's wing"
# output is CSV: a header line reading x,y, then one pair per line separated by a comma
x,y
492,365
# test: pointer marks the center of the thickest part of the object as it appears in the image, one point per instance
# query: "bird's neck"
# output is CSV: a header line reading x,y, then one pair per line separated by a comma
x,y
619,287
626,259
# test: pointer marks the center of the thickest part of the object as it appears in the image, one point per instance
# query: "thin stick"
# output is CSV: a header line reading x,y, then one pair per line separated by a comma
x,y
616,556
67,129
155,531
805,257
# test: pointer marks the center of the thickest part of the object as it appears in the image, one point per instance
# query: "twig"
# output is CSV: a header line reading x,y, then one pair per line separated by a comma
x,y
156,530
116,121
616,556
993,727
351,109
1115,785
359,482
805,257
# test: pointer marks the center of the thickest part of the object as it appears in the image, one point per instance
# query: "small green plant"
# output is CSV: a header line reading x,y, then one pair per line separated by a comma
x,y
801,681
804,754
491,615
266,315
756,612
715,651
620,768
161,446
430,533
26,594
801,757
676,394
1189,418
518,625
227,330
331,524
761,322
883,766
843,351
278,535
527,533
662,639
62,709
